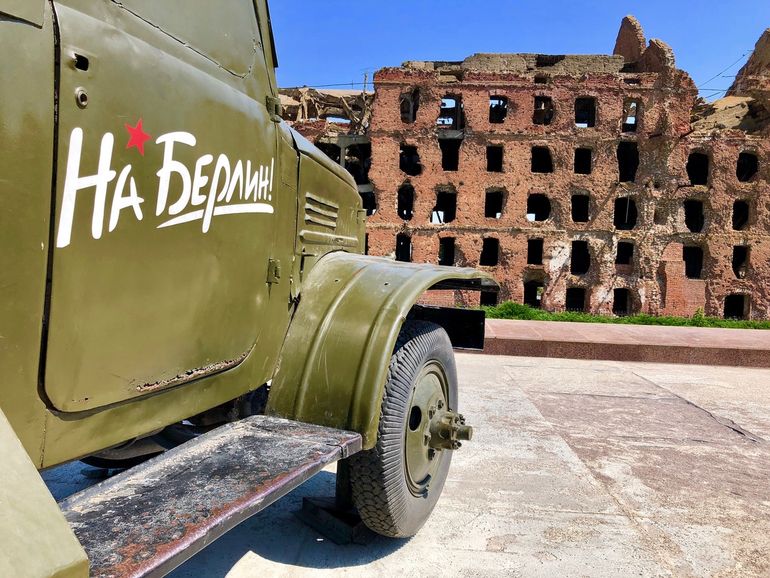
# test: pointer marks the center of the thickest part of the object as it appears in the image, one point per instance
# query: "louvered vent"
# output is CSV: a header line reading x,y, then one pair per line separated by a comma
x,y
321,212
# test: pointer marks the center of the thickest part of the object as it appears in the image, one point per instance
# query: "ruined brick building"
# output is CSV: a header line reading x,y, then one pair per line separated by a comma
x,y
592,183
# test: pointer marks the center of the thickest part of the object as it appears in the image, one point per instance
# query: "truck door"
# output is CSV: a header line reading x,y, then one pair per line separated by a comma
x,y
164,199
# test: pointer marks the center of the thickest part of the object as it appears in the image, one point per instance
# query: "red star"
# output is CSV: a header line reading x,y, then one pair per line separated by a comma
x,y
138,137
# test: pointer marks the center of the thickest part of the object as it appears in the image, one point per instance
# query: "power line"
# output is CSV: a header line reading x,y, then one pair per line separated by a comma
x,y
721,72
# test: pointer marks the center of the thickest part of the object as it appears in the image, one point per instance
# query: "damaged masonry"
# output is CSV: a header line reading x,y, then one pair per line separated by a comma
x,y
592,183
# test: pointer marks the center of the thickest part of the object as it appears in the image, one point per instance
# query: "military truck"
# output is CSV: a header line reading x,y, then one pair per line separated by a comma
x,y
183,278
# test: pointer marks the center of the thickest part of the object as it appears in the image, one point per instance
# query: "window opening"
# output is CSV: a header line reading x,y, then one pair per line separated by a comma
x,y
409,161
538,207
694,218
452,114
369,202
410,104
580,208
580,261
498,109
543,113
576,299
585,112
620,301
493,204
748,165
445,210
693,262
446,251
488,299
533,294
541,160
740,261
495,158
450,153
358,161
735,307
330,150
403,248
583,161
631,111
626,214
740,215
698,168
490,252
628,161
625,254
535,252
406,202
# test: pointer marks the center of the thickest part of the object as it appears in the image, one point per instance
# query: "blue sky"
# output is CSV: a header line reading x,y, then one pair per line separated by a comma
x,y
338,41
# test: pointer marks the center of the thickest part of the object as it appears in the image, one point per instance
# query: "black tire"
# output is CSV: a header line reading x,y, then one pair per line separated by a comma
x,y
383,490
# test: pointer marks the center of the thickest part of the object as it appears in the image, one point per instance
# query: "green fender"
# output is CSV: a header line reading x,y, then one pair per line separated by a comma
x,y
35,539
335,358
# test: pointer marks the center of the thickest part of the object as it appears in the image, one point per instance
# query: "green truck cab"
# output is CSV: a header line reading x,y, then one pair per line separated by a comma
x,y
170,246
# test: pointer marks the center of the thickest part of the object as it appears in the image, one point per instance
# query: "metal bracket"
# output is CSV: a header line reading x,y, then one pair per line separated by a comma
x,y
273,271
274,108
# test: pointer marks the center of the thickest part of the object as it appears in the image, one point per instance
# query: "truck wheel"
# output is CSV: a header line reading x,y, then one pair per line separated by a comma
x,y
396,484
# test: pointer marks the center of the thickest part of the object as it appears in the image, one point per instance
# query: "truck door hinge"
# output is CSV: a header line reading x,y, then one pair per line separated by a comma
x,y
274,108
273,271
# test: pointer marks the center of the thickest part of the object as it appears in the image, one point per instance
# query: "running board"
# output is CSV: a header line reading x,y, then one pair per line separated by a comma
x,y
152,518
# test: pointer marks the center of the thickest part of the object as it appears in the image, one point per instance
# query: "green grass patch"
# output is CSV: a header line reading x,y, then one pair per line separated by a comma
x,y
510,310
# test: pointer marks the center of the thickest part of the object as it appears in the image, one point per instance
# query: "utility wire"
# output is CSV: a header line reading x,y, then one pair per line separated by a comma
x,y
718,74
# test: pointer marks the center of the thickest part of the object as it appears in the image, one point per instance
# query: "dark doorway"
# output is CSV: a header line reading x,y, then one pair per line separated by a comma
x,y
580,261
446,251
541,160
626,214
580,208
498,109
538,207
493,204
490,252
450,153
585,112
583,161
621,302
403,248
693,262
406,202
409,160
735,307
694,217
698,169
576,299
628,161
748,165
488,299
535,252
625,253
740,215
495,158
533,293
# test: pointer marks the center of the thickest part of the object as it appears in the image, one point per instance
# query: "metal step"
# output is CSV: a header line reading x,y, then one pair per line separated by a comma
x,y
151,518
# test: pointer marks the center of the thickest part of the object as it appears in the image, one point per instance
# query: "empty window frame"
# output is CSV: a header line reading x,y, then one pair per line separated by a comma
x,y
450,153
583,161
741,213
409,160
406,202
625,253
358,161
694,217
575,299
580,260
736,307
632,110
534,251
445,210
748,165
452,113
410,104
626,214
490,252
538,207
621,301
580,208
493,203
585,112
541,160
488,298
543,113
332,151
498,109
698,168
693,261
403,248
446,251
369,202
628,161
495,155
533,293
740,261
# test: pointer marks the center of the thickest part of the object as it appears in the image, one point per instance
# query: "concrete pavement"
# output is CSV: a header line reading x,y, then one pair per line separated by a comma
x,y
577,468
